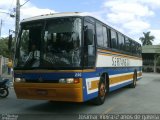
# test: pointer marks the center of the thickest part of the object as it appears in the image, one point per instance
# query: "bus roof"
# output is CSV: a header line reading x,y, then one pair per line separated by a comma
x,y
52,15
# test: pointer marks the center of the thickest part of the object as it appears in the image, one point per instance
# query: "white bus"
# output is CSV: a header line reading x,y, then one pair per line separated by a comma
x,y
73,57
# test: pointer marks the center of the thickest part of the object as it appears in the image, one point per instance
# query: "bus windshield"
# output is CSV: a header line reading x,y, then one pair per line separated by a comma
x,y
52,43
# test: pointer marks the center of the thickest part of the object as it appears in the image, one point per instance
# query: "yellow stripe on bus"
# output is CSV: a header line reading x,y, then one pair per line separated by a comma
x,y
120,79
94,85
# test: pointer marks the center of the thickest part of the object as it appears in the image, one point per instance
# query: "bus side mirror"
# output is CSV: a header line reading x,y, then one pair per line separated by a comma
x,y
10,42
89,36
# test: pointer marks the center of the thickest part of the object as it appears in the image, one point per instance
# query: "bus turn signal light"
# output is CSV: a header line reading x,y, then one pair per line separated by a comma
x,y
76,80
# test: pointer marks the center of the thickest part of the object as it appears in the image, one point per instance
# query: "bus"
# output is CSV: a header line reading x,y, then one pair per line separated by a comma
x,y
73,57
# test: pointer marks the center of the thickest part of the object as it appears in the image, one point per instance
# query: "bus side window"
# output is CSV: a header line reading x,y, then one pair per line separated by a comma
x,y
109,37
105,35
89,44
99,34
121,41
127,44
134,48
130,46
113,39
102,37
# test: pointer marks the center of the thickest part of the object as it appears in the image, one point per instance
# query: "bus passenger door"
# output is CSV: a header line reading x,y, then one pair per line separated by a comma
x,y
89,45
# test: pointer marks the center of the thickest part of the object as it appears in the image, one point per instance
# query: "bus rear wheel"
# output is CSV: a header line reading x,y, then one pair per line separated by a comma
x,y
134,83
99,100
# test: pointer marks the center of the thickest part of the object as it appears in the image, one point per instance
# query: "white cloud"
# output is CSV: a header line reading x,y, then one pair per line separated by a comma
x,y
119,18
155,4
129,8
132,16
136,26
122,12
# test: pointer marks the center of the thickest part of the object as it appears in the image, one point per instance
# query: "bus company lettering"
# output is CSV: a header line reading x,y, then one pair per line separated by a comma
x,y
117,61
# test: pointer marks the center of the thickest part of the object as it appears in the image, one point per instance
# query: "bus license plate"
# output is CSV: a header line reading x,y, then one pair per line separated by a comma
x,y
42,92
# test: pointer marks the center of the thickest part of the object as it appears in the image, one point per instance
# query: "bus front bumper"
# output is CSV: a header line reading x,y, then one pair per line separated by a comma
x,y
49,91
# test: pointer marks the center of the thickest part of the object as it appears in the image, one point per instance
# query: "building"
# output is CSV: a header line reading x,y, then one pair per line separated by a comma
x,y
151,55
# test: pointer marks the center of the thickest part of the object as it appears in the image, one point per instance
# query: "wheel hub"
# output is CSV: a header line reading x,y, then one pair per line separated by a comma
x,y
102,90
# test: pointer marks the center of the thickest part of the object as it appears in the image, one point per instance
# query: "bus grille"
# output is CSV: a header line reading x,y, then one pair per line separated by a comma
x,y
41,81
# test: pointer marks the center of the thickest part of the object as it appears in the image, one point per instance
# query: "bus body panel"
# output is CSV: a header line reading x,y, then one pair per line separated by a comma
x,y
91,80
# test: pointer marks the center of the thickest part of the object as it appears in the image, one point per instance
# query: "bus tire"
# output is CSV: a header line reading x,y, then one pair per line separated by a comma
x,y
102,90
134,83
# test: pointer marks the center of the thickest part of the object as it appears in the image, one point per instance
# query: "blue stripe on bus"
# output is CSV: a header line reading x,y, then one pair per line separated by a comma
x,y
47,76
97,73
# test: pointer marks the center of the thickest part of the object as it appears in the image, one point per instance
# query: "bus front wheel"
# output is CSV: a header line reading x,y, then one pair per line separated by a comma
x,y
99,100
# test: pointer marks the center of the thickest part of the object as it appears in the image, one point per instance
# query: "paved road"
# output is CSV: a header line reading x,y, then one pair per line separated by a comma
x,y
144,98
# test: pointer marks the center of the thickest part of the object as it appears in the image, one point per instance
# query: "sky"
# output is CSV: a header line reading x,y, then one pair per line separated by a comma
x,y
131,17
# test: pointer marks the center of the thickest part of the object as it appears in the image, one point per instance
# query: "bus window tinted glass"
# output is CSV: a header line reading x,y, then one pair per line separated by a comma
x,y
99,30
121,41
105,37
127,44
113,39
134,47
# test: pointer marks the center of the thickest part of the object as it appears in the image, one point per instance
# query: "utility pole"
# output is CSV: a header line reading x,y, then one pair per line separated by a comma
x,y
17,20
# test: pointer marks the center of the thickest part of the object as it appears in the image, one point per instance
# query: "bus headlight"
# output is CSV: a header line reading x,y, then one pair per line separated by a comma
x,y
69,80
19,80
62,80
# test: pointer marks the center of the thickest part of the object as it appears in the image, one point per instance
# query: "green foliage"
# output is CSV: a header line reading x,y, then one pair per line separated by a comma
x,y
147,39
4,47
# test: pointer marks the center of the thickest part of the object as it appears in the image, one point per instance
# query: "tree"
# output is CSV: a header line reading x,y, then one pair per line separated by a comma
x,y
4,47
147,39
